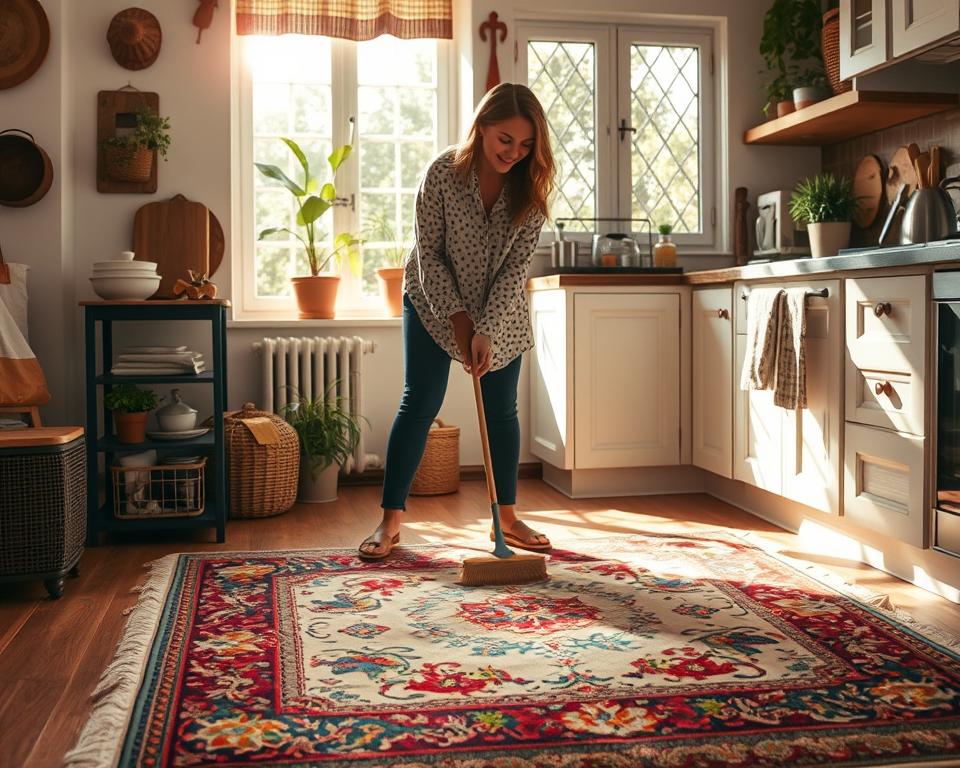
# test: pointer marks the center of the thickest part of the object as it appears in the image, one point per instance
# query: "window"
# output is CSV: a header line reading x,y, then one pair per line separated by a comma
x,y
391,95
631,114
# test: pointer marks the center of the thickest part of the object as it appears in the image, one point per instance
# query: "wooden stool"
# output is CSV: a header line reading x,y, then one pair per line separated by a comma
x,y
33,410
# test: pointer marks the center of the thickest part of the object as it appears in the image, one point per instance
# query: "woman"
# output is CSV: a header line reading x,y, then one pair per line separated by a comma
x,y
478,217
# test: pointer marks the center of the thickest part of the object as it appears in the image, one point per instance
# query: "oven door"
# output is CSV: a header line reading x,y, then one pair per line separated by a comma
x,y
947,306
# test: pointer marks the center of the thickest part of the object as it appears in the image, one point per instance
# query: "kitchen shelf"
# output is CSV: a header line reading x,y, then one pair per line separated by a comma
x,y
850,114
165,378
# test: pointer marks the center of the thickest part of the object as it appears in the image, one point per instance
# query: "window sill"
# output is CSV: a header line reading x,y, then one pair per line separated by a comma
x,y
337,322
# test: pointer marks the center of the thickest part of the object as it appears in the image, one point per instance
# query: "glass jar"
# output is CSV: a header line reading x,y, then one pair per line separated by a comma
x,y
665,252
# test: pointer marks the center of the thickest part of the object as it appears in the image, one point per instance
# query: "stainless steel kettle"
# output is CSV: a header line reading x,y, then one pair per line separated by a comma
x,y
929,215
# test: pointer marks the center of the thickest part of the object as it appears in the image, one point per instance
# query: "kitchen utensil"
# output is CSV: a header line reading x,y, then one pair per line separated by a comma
x,y
868,190
934,166
646,260
176,416
24,40
922,166
930,214
26,171
132,287
563,253
615,249
901,170
134,37
894,206
176,235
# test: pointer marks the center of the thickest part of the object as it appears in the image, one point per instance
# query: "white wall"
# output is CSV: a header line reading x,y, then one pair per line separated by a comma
x,y
75,225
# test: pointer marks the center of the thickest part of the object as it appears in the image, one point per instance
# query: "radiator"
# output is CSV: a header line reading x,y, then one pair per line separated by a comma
x,y
312,367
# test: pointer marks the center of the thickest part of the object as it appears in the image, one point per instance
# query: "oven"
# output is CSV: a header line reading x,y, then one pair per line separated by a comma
x,y
946,295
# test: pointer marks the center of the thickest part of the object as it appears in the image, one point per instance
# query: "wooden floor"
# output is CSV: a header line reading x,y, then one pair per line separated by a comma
x,y
52,652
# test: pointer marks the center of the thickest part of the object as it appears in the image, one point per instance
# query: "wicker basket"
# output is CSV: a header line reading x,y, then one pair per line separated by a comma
x,y
439,470
263,477
130,165
830,43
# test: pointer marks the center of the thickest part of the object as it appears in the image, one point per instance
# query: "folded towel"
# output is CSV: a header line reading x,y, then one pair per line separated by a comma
x,y
791,388
763,318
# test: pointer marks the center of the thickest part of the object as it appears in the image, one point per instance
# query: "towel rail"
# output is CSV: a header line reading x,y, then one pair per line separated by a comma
x,y
822,293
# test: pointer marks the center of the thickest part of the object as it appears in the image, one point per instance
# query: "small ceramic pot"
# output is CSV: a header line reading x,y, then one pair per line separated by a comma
x,y
177,416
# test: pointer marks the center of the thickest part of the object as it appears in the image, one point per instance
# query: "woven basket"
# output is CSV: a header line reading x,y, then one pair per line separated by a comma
x,y
131,165
830,43
263,478
439,470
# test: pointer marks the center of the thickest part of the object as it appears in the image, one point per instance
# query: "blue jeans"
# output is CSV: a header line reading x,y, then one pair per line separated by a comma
x,y
426,368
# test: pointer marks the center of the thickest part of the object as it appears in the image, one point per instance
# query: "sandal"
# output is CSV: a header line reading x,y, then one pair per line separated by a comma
x,y
373,556
529,543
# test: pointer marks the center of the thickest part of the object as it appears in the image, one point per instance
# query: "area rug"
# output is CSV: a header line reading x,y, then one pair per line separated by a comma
x,y
646,650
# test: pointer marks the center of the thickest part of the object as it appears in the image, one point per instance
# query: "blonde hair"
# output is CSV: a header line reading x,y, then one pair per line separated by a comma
x,y
530,181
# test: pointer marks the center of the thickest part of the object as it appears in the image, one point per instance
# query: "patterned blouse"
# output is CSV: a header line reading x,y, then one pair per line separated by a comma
x,y
466,260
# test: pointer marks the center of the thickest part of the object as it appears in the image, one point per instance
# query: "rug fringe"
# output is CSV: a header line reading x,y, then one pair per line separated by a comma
x,y
881,603
113,699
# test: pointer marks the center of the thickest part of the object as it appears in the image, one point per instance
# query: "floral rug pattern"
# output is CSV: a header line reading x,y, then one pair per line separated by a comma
x,y
647,650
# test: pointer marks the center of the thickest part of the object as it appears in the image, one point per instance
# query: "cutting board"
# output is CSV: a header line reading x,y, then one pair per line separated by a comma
x,y
868,188
901,171
175,234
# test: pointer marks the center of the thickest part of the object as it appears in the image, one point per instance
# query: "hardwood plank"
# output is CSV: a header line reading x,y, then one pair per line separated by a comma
x,y
53,652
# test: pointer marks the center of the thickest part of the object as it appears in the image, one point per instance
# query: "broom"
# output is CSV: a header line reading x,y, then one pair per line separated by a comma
x,y
504,566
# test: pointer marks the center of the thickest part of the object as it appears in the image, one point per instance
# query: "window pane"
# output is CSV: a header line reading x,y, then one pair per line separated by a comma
x,y
563,76
273,271
665,111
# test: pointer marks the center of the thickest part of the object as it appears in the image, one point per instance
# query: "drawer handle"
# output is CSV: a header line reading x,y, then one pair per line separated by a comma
x,y
723,314
882,308
883,388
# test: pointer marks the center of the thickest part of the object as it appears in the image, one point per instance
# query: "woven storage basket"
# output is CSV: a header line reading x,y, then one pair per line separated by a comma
x,y
439,470
263,478
830,43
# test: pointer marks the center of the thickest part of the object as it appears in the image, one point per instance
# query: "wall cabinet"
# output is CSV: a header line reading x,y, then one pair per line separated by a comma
x,y
795,454
916,24
712,371
864,42
605,379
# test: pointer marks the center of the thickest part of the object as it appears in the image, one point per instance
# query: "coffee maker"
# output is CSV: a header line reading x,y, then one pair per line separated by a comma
x,y
778,237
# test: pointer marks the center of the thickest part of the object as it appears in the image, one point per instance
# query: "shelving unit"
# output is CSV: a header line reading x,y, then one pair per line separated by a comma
x,y
101,439
850,114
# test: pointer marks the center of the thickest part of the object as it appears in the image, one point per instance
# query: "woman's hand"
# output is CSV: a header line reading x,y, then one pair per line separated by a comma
x,y
462,334
481,354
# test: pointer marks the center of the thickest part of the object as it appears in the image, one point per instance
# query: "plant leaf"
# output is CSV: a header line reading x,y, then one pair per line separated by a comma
x,y
272,172
265,233
338,156
295,148
328,192
311,210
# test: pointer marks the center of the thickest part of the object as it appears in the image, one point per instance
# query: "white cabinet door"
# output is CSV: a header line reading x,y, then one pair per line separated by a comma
x,y
713,380
550,411
915,24
757,431
626,379
864,42
811,436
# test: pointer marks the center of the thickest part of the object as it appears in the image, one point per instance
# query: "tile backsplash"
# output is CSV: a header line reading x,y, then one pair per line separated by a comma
x,y
942,129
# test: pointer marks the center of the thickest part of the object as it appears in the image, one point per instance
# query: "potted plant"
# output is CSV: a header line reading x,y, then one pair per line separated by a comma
x,y
665,250
790,46
825,203
328,433
129,157
815,90
316,293
394,250
130,405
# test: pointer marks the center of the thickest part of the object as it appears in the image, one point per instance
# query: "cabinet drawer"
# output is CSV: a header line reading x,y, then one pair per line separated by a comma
x,y
891,400
886,323
883,487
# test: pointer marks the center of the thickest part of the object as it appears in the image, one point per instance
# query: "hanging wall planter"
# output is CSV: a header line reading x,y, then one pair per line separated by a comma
x,y
126,164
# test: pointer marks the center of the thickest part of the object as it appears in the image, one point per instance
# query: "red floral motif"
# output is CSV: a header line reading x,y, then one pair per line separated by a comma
x,y
530,613
691,664
445,678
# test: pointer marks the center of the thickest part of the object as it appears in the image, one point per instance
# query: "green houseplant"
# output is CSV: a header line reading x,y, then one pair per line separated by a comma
x,y
316,293
825,204
130,157
328,433
130,405
790,46
394,250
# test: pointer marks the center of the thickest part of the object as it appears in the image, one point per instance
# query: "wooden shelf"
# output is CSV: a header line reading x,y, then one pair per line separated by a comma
x,y
850,114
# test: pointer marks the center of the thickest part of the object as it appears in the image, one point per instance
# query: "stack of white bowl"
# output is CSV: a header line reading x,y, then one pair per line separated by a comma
x,y
125,278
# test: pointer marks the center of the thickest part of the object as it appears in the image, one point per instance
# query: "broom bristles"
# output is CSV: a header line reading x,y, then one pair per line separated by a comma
x,y
518,569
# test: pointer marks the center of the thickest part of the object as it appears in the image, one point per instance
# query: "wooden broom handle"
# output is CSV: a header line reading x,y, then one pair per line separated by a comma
x,y
484,440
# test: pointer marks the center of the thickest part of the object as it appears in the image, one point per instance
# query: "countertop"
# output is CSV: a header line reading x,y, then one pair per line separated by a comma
x,y
933,255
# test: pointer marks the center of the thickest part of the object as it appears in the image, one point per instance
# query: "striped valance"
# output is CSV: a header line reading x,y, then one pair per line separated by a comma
x,y
349,19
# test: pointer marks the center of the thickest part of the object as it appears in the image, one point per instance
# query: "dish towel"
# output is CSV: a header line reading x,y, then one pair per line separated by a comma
x,y
791,387
763,321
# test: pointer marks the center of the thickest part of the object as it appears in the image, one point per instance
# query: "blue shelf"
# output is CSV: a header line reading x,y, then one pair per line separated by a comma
x,y
171,378
112,445
108,522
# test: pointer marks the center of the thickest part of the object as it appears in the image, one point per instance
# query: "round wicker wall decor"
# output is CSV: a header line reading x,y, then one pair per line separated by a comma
x,y
134,37
24,40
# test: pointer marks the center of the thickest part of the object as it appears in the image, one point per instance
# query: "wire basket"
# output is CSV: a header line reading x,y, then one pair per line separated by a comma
x,y
162,490
439,470
830,44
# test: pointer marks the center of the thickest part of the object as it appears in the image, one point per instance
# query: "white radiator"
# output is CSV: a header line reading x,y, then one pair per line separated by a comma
x,y
308,367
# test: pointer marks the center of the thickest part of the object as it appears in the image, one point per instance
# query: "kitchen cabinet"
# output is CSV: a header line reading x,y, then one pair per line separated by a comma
x,y
864,42
605,383
917,24
712,371
795,454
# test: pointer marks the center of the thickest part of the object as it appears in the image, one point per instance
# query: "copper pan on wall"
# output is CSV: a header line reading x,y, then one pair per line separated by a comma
x,y
26,171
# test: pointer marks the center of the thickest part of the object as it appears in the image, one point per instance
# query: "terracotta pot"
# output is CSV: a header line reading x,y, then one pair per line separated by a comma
x,y
828,237
316,296
133,165
131,427
785,108
317,488
391,289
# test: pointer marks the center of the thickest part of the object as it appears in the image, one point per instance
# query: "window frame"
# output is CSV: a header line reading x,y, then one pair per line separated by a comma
x,y
613,37
350,300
